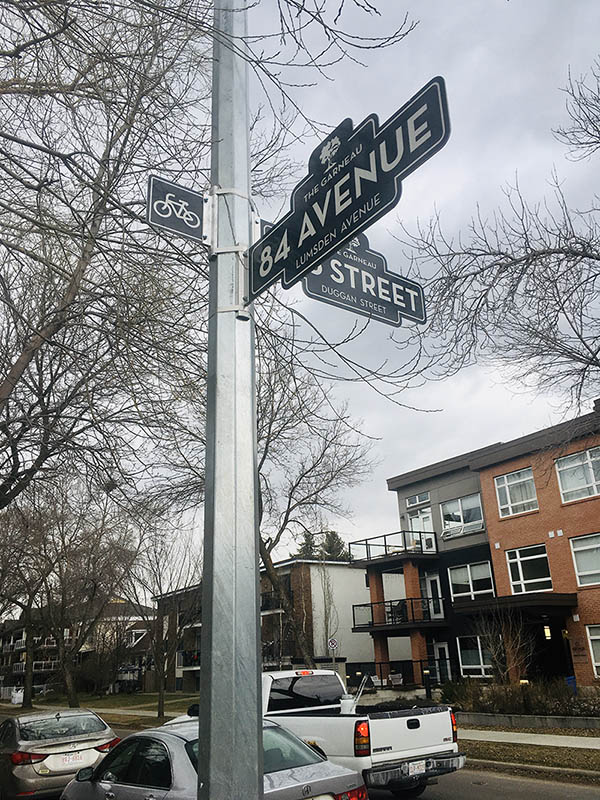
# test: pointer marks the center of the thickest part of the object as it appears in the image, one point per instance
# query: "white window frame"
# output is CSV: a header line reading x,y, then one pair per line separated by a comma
x,y
417,502
593,485
511,507
419,514
482,666
472,594
136,635
595,664
575,549
519,560
462,527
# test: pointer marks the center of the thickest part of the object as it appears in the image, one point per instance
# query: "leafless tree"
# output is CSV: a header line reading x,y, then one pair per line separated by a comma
x,y
89,548
505,635
520,286
25,525
169,561
105,651
331,619
309,449
103,320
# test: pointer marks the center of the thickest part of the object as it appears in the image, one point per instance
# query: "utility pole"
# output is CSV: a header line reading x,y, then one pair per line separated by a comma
x,y
230,738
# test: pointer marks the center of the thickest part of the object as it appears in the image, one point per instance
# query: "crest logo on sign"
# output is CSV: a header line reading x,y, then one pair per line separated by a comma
x,y
328,151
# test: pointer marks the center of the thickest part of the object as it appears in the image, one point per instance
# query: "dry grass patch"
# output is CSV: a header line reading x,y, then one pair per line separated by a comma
x,y
534,755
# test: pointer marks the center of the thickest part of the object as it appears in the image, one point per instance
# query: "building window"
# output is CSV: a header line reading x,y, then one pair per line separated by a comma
x,y
594,637
417,499
463,515
471,580
475,660
529,569
516,492
579,475
586,557
420,520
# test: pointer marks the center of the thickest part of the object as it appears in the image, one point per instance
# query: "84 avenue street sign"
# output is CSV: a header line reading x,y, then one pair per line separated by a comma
x,y
354,178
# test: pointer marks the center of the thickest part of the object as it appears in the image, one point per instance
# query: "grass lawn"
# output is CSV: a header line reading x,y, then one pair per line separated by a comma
x,y
531,755
176,703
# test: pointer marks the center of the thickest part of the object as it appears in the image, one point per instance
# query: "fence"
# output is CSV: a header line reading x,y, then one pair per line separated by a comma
x,y
398,674
6,691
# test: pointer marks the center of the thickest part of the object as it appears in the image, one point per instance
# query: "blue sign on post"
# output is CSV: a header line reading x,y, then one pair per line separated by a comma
x,y
175,208
356,278
354,178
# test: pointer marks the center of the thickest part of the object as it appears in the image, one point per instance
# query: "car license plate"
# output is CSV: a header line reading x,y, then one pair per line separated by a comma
x,y
72,758
416,767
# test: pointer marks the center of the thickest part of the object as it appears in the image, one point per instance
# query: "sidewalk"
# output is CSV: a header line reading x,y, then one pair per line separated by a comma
x,y
582,742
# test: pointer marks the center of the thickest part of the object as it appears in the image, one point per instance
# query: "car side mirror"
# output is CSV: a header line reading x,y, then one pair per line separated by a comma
x,y
84,774
193,710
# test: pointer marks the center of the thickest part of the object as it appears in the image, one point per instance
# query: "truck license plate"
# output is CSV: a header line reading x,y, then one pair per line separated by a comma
x,y
416,767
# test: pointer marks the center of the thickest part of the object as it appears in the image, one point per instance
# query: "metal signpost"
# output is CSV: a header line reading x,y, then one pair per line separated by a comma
x,y
354,179
175,208
230,743
332,644
356,278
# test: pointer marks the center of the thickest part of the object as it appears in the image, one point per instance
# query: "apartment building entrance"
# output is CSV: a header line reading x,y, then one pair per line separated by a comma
x,y
435,604
441,655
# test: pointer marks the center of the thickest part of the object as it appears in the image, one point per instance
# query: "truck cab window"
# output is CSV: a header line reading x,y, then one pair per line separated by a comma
x,y
304,692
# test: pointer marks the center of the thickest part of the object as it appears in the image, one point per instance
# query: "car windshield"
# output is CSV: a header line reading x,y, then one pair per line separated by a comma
x,y
282,750
56,727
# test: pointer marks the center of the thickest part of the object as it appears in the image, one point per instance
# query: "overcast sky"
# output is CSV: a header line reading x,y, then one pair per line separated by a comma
x,y
504,63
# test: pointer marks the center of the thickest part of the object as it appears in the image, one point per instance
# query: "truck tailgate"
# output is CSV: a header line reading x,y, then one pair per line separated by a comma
x,y
410,733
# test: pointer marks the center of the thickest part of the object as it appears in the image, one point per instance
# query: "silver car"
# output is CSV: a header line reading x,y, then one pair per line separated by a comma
x,y
41,753
162,762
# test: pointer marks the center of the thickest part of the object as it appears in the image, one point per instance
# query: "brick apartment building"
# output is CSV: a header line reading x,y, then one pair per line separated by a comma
x,y
507,535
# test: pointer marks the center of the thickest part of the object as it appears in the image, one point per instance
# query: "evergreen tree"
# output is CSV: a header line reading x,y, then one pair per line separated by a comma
x,y
333,547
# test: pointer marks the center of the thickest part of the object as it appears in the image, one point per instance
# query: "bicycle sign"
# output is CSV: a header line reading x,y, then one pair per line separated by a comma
x,y
175,208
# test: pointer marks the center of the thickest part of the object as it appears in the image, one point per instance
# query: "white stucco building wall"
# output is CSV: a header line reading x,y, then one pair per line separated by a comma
x,y
335,588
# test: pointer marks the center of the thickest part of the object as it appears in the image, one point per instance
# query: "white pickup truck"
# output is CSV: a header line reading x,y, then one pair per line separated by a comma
x,y
395,750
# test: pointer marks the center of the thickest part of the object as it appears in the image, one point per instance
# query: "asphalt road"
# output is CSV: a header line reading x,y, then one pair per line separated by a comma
x,y
474,785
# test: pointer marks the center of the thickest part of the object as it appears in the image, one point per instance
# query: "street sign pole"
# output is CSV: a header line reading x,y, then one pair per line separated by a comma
x,y
230,746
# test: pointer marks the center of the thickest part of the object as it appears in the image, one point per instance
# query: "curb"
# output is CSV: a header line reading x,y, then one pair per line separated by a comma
x,y
588,775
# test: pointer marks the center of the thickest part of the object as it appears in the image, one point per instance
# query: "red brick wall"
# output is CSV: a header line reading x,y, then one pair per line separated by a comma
x,y
574,519
301,591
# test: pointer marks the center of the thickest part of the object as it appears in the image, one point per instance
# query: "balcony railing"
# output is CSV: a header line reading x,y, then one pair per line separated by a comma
x,y
19,667
189,658
20,644
401,543
411,611
270,601
406,674
45,666
7,648
49,641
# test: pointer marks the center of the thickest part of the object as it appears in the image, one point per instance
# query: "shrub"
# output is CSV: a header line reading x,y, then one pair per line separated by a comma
x,y
546,698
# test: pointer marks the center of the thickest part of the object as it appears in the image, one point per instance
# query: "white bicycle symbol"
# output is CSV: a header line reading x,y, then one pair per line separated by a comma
x,y
170,205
